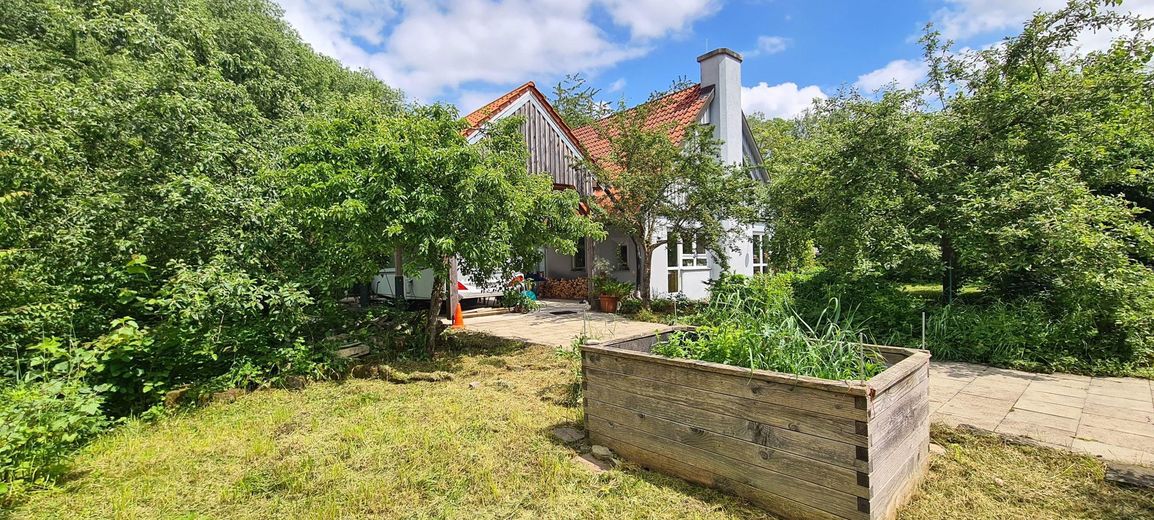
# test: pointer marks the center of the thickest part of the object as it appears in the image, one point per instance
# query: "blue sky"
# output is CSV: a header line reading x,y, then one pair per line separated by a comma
x,y
467,52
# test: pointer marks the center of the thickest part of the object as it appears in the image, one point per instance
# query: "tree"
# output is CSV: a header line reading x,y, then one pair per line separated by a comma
x,y
657,188
368,181
576,102
1030,174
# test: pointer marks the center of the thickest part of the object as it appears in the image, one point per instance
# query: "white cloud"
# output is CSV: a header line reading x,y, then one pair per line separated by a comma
x,y
430,48
617,85
470,100
656,18
784,100
902,73
962,19
768,45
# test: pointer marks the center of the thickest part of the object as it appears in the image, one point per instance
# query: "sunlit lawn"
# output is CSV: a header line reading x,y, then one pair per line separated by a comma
x,y
368,448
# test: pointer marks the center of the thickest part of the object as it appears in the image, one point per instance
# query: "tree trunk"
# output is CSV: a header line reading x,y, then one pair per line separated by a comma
x,y
639,278
646,286
949,268
433,325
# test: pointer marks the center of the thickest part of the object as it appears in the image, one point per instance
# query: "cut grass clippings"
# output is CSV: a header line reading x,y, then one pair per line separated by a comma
x,y
987,476
371,448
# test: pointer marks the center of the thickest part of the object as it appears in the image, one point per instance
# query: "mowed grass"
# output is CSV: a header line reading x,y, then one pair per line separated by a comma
x,y
985,476
368,448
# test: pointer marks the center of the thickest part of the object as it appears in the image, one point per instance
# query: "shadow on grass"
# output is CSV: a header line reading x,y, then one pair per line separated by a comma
x,y
715,499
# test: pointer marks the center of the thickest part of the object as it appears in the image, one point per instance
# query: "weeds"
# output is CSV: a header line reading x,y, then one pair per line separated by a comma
x,y
748,327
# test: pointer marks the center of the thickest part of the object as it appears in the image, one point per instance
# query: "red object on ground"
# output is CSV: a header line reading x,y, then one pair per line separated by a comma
x,y
458,318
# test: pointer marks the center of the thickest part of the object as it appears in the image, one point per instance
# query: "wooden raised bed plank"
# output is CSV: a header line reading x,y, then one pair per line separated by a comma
x,y
834,428
778,461
774,503
814,496
737,383
800,447
836,452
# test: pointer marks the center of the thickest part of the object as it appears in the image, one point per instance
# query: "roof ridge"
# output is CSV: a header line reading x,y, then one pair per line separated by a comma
x,y
654,100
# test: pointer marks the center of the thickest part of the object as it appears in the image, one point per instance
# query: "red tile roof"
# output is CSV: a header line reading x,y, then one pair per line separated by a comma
x,y
481,115
675,111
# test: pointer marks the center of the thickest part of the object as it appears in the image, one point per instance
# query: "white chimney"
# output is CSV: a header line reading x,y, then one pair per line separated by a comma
x,y
721,69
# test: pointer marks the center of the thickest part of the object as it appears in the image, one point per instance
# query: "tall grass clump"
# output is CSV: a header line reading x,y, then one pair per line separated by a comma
x,y
751,323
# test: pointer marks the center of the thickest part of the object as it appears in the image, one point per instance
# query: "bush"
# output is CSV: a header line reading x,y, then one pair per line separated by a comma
x,y
629,306
1033,333
41,423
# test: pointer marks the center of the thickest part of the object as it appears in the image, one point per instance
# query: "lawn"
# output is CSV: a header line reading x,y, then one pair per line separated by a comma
x,y
369,448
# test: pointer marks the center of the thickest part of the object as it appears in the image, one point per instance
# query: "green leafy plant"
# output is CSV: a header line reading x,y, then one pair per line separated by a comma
x,y
610,287
746,325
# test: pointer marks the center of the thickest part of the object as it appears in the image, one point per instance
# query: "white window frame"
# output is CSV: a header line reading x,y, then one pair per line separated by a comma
x,y
691,254
760,253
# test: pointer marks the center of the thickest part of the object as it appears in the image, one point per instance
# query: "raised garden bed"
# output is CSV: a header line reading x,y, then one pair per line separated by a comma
x,y
800,447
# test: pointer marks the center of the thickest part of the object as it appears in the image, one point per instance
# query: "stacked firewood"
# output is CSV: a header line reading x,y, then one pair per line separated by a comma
x,y
564,289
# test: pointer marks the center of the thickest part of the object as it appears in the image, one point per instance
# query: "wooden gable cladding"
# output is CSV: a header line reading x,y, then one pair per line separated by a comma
x,y
549,152
552,146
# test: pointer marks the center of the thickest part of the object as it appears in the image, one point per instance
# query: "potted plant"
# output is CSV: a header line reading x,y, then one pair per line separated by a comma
x,y
610,293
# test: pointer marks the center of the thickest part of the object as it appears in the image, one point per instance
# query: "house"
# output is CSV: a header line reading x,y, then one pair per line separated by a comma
x,y
556,149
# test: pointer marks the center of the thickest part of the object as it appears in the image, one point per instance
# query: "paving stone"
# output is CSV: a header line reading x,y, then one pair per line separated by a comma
x,y
1069,413
1046,434
1137,427
1000,391
968,404
1117,438
1125,414
1123,390
568,435
981,421
1041,419
1109,452
1067,380
591,463
1053,388
1094,400
1033,394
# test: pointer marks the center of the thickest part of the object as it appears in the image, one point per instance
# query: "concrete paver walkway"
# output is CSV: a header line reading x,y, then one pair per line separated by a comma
x,y
1108,417
558,323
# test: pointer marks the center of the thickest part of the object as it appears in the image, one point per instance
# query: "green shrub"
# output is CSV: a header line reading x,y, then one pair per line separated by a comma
x,y
629,306
41,423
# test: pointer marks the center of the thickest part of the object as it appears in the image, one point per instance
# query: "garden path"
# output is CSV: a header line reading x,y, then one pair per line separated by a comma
x,y
1109,417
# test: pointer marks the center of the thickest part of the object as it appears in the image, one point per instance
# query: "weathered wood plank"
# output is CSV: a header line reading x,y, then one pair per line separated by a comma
x,y
908,411
892,494
773,503
806,493
882,401
736,382
834,452
834,428
890,465
788,464
858,388
916,360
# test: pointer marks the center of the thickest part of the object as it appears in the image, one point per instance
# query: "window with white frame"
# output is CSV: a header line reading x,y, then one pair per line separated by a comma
x,y
760,254
687,251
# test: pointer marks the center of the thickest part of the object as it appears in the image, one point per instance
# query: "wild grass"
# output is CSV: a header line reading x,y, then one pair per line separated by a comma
x,y
372,449
745,328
